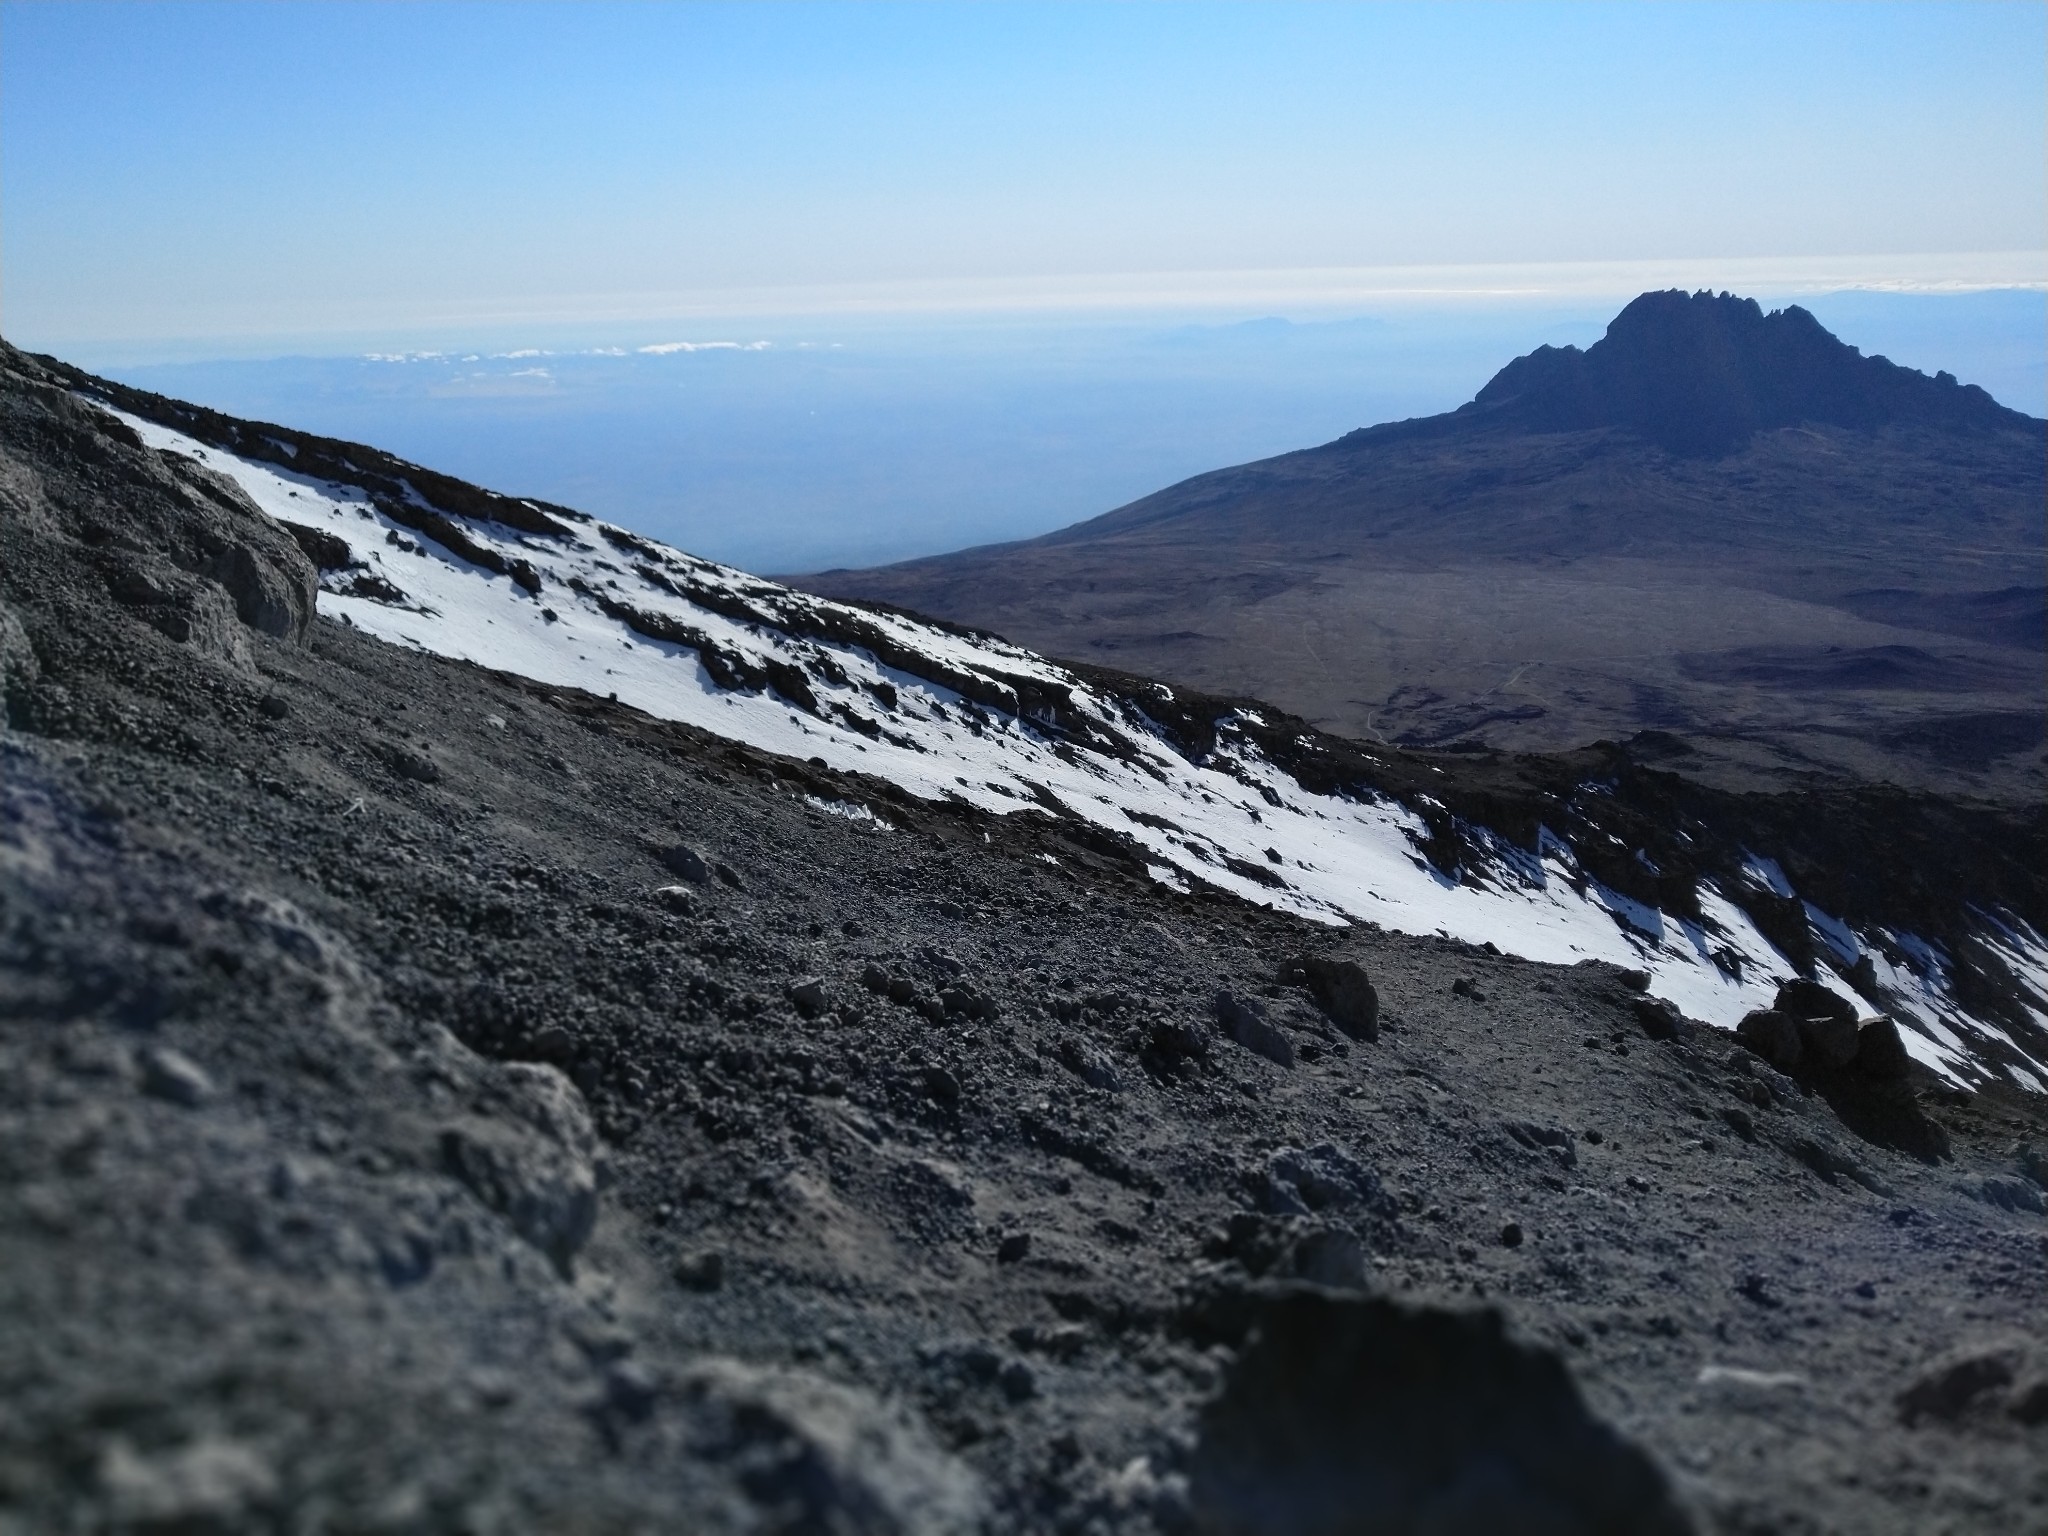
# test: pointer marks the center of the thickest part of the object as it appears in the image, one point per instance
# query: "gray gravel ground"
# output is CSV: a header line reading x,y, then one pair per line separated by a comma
x,y
393,1136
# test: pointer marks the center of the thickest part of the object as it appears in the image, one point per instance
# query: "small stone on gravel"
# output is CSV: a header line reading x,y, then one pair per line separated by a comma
x,y
685,861
170,1074
1018,1381
700,1271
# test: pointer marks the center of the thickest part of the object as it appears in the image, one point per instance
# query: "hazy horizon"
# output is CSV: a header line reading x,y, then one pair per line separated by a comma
x,y
802,444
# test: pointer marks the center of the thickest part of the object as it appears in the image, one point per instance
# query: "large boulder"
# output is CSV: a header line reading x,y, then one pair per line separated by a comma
x,y
1347,1413
1804,999
1828,1041
1880,1052
1773,1036
1345,994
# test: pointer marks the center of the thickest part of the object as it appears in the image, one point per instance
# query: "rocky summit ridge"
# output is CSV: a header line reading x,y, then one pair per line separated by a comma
x,y
506,1026
1699,373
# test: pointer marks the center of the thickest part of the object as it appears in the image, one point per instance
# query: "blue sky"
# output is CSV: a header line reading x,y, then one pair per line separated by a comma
x,y
313,176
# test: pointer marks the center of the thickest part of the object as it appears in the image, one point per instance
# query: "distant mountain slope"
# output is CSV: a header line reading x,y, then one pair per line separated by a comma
x,y
1558,860
1549,563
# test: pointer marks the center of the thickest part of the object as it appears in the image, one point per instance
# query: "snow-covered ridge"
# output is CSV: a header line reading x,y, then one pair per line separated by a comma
x,y
947,713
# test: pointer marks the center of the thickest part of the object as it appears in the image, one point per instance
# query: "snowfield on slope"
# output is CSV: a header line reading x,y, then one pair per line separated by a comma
x,y
944,713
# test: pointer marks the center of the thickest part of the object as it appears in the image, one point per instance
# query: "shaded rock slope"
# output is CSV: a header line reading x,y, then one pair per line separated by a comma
x,y
1714,522
439,1098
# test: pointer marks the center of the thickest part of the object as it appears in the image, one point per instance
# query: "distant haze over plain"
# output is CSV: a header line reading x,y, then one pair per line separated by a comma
x,y
837,440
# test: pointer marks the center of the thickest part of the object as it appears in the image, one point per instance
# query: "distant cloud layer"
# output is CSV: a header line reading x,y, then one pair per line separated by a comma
x,y
663,348
1308,289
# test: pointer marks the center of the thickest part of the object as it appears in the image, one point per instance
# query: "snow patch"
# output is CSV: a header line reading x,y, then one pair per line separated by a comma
x,y
849,810
688,640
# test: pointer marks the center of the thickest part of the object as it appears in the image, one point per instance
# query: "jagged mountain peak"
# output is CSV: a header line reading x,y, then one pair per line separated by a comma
x,y
1698,373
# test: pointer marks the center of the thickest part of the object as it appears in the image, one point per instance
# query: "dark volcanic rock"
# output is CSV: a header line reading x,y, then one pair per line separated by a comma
x,y
1554,1139
1880,1053
1660,1020
1328,1256
1827,1041
1773,1036
1352,1414
685,861
1951,1389
1322,1178
409,763
2030,1403
1812,1036
1804,999
327,551
1697,373
700,1271
1175,1047
172,1075
1827,1044
1090,1065
1345,993
546,1189
815,1455
2011,1194
1245,1022
193,557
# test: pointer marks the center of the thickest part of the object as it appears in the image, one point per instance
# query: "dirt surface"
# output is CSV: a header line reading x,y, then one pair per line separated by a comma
x,y
429,1101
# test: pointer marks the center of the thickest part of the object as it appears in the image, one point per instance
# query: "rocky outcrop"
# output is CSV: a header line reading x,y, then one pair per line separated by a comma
x,y
1812,1035
189,556
1343,991
1698,373
1429,1420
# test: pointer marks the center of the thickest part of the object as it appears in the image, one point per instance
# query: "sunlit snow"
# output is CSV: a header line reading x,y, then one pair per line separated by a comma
x,y
1334,859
